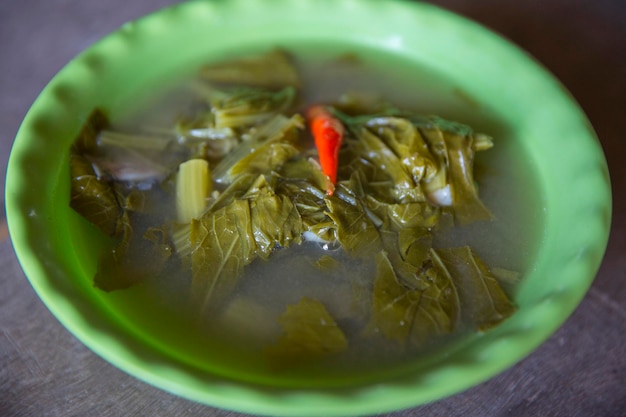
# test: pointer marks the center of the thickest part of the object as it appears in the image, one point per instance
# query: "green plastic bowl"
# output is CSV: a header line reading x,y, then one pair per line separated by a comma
x,y
57,249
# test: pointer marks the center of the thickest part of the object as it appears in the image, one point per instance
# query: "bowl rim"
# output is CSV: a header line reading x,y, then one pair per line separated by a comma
x,y
461,372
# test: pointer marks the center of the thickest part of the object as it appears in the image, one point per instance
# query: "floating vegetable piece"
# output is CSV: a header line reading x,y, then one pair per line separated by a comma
x,y
453,145
193,185
414,245
235,190
354,103
245,107
483,300
275,131
439,309
137,141
206,140
130,156
407,143
373,149
328,134
393,306
310,333
306,173
401,216
221,245
307,196
133,199
409,315
465,202
271,70
275,220
92,195
355,231
268,157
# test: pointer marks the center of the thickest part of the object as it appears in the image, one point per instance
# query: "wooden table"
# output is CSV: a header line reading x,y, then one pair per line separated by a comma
x,y
579,371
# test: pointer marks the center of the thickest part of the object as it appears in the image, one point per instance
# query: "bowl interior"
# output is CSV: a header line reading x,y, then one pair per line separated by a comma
x,y
512,94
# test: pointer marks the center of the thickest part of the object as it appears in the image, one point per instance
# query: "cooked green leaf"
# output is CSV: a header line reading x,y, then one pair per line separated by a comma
x,y
246,106
355,231
270,140
271,70
408,315
405,140
275,220
373,149
439,308
483,301
92,196
267,158
222,244
465,201
310,333
393,306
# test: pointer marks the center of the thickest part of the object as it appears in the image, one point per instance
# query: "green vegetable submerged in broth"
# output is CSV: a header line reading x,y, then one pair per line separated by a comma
x,y
236,184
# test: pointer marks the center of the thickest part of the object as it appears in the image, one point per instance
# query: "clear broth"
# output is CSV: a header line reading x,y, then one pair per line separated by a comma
x,y
157,310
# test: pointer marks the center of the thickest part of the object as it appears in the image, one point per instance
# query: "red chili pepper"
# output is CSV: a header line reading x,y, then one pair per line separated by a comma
x,y
328,134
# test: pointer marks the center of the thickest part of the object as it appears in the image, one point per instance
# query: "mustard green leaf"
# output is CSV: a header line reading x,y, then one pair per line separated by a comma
x,y
309,333
483,301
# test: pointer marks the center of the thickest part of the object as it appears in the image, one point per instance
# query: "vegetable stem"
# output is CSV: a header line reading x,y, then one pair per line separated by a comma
x,y
192,189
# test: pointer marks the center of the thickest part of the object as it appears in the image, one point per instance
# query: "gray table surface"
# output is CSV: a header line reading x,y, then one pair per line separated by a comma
x,y
579,371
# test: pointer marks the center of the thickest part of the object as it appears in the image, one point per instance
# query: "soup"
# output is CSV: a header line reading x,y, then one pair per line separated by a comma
x,y
290,212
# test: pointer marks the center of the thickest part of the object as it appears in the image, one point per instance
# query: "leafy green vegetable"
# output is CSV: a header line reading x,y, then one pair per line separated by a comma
x,y
275,220
138,141
422,156
483,300
408,315
310,333
264,160
270,70
246,107
272,139
466,204
439,308
93,196
394,306
354,230
407,143
375,151
222,245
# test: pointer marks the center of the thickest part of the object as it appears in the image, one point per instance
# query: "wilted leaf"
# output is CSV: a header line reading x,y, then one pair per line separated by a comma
x,y
222,244
483,302
310,333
